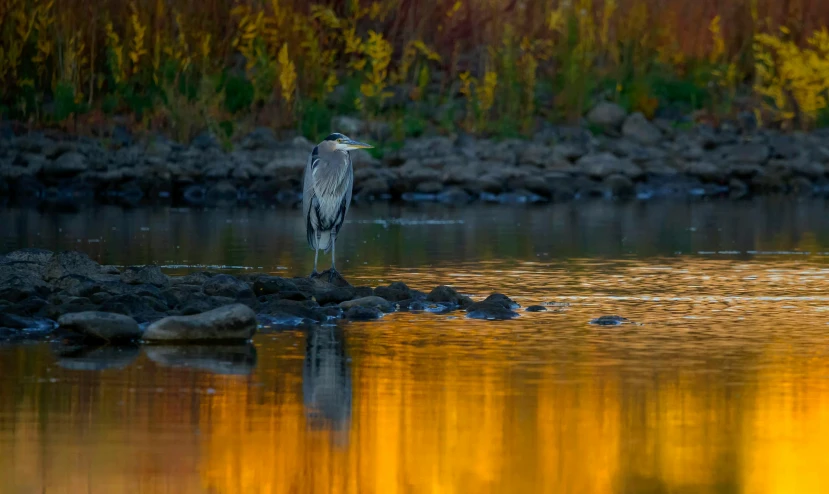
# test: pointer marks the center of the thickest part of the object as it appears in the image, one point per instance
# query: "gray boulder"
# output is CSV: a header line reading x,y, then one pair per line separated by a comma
x,y
601,165
104,326
150,275
224,285
66,165
71,262
638,128
607,114
231,322
372,301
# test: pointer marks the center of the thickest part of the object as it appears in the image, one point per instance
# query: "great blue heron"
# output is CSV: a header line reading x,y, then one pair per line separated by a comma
x,y
326,193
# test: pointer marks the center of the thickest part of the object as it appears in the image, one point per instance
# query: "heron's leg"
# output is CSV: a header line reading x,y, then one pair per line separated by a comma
x,y
316,255
333,265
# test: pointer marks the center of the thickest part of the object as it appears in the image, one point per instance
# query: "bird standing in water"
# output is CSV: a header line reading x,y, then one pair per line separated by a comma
x,y
326,193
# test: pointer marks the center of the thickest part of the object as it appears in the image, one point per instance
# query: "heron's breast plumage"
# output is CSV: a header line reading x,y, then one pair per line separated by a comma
x,y
331,183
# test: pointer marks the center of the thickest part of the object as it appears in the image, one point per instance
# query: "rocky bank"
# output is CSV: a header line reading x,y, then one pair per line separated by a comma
x,y
46,295
624,156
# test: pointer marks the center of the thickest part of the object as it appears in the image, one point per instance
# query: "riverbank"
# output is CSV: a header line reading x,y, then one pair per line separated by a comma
x,y
622,157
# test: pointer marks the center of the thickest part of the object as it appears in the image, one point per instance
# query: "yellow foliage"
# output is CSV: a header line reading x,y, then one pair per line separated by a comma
x,y
794,80
138,49
117,53
718,48
287,74
378,52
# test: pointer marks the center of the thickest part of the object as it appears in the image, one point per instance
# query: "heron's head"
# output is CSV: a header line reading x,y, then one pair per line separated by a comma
x,y
342,142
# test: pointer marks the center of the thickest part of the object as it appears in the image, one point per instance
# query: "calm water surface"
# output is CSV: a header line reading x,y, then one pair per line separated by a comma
x,y
721,387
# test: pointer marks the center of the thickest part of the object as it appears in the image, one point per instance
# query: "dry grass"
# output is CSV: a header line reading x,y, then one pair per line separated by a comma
x,y
150,58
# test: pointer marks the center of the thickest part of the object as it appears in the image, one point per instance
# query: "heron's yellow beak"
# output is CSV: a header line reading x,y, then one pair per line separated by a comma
x,y
352,144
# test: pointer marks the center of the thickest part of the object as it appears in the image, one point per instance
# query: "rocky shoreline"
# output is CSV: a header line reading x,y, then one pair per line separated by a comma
x,y
68,296
622,157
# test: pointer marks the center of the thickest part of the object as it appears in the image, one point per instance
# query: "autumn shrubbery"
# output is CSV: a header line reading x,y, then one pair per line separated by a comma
x,y
495,67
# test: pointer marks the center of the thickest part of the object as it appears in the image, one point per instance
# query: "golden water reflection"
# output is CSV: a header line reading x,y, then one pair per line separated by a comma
x,y
723,389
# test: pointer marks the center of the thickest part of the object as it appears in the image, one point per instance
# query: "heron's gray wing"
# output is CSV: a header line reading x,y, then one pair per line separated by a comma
x,y
308,193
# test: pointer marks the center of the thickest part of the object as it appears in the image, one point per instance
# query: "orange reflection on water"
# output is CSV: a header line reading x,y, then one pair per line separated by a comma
x,y
723,389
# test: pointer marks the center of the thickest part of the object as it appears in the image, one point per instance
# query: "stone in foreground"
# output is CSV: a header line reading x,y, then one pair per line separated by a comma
x,y
104,326
228,323
373,301
610,321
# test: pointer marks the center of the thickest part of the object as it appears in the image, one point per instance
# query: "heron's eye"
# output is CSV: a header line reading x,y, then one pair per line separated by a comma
x,y
339,140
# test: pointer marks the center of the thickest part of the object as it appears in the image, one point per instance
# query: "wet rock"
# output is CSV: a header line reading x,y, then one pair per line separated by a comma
x,y
37,256
360,313
705,171
231,322
218,359
620,186
638,128
141,308
326,277
104,326
602,165
448,295
150,275
307,309
78,286
394,292
267,285
606,114
610,321
751,153
21,280
71,263
372,301
66,165
536,308
224,285
500,298
490,310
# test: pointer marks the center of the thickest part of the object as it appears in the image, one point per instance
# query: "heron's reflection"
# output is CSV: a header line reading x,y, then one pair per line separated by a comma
x,y
326,380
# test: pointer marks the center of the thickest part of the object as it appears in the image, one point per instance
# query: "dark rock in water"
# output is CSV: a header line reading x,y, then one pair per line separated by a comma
x,y
95,358
150,275
336,280
363,291
219,359
395,292
224,285
446,294
26,307
334,295
492,310
195,279
140,308
536,308
358,313
372,301
39,256
66,165
78,286
323,291
266,285
499,298
304,309
231,322
21,280
104,326
71,262
610,321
